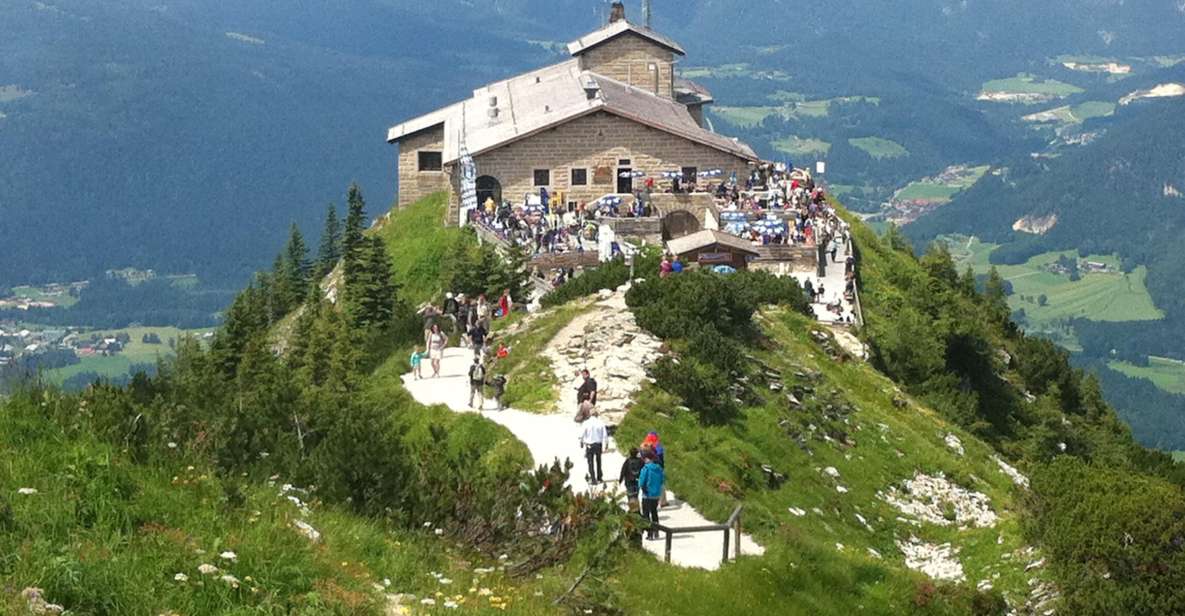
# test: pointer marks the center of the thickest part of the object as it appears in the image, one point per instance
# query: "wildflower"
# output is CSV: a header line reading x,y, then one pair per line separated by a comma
x,y
445,581
503,557
181,577
230,579
189,468
427,525
439,532
485,592
450,604
228,555
207,569
386,582
27,491
172,445
428,601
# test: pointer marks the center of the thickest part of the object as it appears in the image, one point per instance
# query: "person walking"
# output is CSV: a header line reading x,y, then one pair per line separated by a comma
x,y
483,312
498,385
630,470
588,388
593,439
477,381
651,484
477,336
417,357
436,343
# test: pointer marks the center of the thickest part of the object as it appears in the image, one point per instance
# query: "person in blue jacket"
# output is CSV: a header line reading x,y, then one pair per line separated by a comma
x,y
652,485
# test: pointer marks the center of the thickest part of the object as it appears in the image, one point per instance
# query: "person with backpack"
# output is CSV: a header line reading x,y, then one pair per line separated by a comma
x,y
477,336
498,385
651,484
630,471
477,381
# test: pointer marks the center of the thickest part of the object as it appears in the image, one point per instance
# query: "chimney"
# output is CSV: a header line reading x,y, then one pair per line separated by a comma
x,y
616,12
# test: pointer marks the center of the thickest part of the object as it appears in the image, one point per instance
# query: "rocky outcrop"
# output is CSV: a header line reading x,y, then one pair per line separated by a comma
x,y
1036,225
615,350
936,500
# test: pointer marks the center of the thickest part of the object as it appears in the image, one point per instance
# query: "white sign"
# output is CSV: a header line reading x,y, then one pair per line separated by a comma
x,y
468,185
820,167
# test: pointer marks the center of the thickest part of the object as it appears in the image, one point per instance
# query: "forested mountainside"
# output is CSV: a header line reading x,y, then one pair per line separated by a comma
x,y
181,135
1119,194
180,493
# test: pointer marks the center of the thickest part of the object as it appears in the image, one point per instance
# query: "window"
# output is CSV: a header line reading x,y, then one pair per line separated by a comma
x,y
431,161
690,174
624,162
580,177
542,177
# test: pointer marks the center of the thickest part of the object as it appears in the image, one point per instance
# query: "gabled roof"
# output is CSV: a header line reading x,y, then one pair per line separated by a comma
x,y
689,92
538,100
709,237
616,29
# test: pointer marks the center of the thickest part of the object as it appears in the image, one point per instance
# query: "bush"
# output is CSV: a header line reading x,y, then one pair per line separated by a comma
x,y
1116,540
605,276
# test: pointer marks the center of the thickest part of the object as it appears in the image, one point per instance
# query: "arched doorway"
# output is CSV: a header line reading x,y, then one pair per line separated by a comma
x,y
679,223
488,187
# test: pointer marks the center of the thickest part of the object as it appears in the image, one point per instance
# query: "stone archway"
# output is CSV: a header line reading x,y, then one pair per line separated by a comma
x,y
679,223
488,187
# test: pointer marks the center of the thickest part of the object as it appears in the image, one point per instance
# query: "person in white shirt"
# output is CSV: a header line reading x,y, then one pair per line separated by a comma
x,y
593,439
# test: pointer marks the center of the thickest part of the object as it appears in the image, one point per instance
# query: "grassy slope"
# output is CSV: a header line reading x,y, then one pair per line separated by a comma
x,y
420,246
532,385
715,467
105,535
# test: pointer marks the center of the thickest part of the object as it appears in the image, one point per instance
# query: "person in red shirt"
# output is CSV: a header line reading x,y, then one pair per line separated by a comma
x,y
505,303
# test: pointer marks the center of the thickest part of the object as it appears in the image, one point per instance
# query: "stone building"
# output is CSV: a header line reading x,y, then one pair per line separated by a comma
x,y
593,125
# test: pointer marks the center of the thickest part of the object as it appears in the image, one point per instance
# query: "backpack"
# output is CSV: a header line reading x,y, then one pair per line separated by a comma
x,y
477,373
633,468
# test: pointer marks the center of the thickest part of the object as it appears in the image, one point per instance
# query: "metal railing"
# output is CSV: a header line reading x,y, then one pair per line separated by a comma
x,y
731,530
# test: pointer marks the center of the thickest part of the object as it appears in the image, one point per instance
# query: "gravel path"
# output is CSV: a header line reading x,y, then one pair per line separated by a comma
x,y
556,436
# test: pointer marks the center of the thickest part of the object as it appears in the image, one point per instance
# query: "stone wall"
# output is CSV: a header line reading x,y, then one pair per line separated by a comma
x,y
413,183
596,143
648,230
629,58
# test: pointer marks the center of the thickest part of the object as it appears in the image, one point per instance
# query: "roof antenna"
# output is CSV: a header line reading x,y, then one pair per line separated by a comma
x,y
646,11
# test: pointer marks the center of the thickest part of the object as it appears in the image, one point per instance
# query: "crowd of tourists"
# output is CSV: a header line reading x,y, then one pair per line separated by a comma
x,y
541,225
472,320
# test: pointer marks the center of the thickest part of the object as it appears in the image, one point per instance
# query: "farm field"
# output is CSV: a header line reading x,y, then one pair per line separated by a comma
x,y
942,188
1050,299
136,352
877,147
1167,374
62,299
796,146
1076,114
791,106
1025,83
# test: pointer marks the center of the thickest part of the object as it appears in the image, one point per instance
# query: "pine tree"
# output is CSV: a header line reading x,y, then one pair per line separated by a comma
x,y
329,251
355,221
296,269
996,294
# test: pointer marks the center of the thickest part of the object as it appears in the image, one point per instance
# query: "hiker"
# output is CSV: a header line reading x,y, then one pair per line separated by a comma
x,y
483,312
593,440
653,445
436,343
477,381
503,351
664,268
505,304
450,307
587,389
676,265
498,385
477,336
630,470
809,289
417,356
651,485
